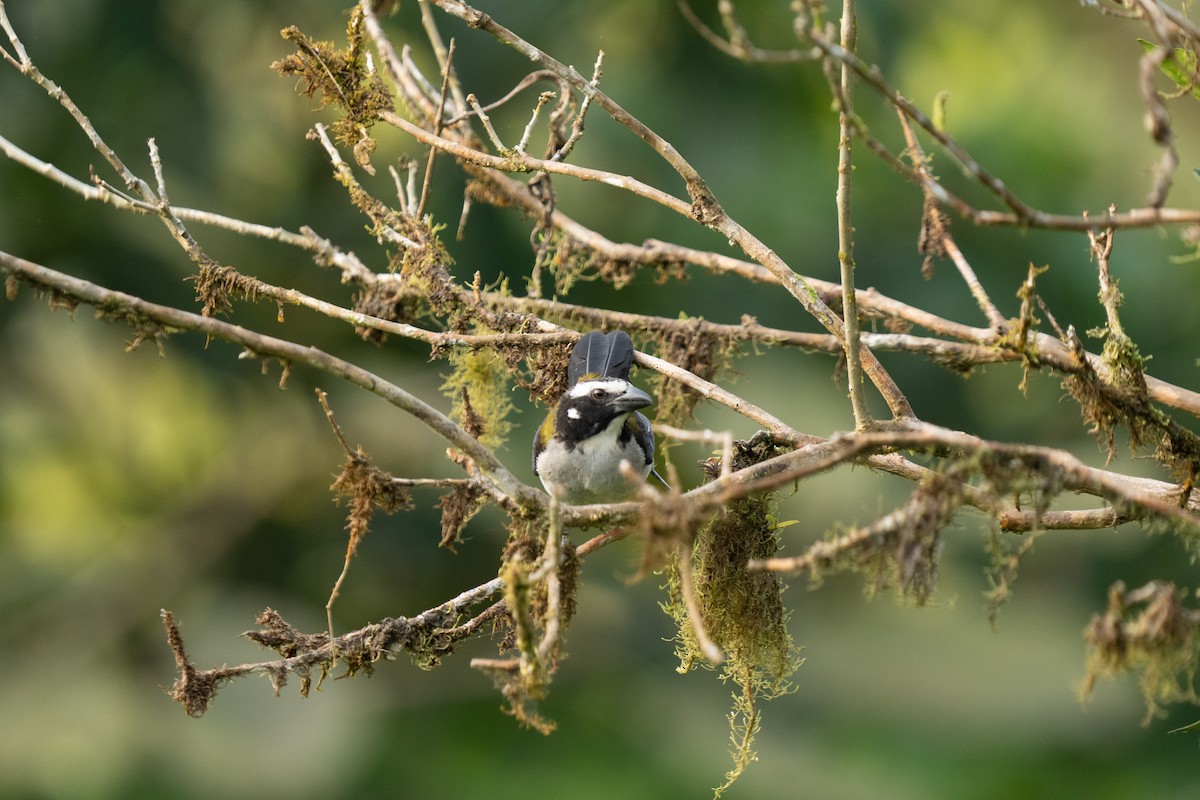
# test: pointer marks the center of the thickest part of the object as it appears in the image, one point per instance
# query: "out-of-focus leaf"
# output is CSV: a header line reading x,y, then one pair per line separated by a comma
x,y
1179,67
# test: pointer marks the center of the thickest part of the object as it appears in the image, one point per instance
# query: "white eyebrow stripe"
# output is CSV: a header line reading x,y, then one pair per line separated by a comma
x,y
611,385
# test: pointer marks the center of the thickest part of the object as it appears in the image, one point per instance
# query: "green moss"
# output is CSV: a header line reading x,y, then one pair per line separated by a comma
x,y
341,78
478,390
742,610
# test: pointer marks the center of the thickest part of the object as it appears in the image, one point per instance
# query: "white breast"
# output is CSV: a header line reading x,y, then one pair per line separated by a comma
x,y
591,472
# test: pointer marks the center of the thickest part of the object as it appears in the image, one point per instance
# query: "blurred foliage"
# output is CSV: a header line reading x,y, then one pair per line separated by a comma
x,y
131,482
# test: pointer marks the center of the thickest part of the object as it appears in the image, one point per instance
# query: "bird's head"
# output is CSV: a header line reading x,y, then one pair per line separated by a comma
x,y
593,403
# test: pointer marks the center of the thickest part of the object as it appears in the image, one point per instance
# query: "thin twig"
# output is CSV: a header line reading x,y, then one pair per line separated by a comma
x,y
740,46
695,617
945,242
437,129
523,144
722,438
1110,297
1020,213
845,222
517,162
323,399
548,573
441,52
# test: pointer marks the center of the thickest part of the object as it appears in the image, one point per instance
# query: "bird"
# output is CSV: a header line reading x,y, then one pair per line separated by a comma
x,y
595,426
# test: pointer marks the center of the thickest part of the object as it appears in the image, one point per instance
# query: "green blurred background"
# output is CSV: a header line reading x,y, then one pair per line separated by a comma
x,y
131,482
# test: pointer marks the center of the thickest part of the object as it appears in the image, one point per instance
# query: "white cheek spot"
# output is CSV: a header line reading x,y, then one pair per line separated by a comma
x,y
572,413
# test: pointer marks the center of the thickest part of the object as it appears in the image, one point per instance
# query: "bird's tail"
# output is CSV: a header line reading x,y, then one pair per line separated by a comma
x,y
601,355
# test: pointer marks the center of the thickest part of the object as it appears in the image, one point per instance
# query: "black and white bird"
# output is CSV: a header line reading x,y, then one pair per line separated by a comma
x,y
595,426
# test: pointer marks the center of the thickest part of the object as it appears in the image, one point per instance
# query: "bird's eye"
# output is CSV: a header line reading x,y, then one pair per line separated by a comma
x,y
599,394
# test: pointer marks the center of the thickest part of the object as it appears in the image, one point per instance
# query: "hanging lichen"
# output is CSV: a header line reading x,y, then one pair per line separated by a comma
x,y
741,610
534,629
1149,631
478,389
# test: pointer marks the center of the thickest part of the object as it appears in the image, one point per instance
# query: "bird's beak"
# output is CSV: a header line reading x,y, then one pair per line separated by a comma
x,y
632,399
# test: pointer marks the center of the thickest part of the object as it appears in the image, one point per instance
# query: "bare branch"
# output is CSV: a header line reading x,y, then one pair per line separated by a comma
x,y
121,305
845,169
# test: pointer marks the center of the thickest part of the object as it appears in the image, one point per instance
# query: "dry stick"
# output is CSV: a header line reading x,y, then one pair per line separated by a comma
x,y
738,45
520,86
995,318
437,129
123,306
1156,496
133,184
442,53
306,239
548,573
824,551
1020,213
577,124
346,176
1157,120
946,241
845,101
478,112
392,628
1110,297
695,617
778,428
518,162
323,399
722,438
874,449
523,145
